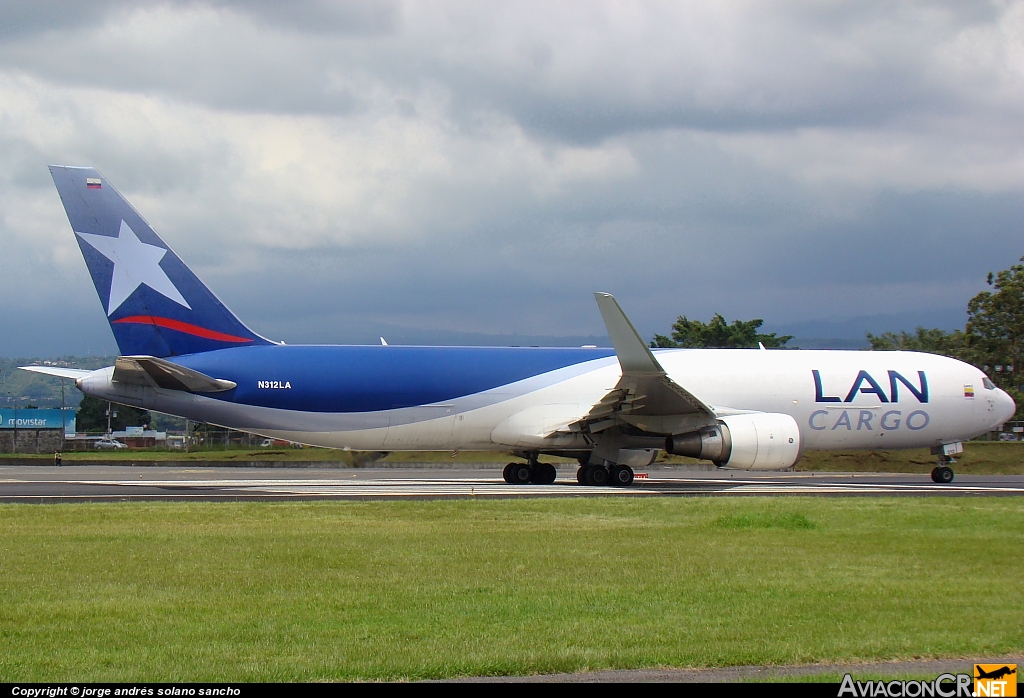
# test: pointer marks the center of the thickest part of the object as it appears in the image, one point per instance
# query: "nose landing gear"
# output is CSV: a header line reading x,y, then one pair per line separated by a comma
x,y
942,473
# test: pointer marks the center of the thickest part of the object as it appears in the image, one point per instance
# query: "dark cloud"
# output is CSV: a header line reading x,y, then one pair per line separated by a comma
x,y
472,173
339,17
20,18
348,17
562,73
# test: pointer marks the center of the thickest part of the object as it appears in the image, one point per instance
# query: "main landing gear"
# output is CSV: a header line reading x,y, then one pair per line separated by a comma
x,y
534,473
616,475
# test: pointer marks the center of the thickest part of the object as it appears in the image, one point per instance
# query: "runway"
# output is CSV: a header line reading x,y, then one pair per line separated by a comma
x,y
34,484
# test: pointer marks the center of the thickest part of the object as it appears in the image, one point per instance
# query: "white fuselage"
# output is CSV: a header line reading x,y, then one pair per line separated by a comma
x,y
839,399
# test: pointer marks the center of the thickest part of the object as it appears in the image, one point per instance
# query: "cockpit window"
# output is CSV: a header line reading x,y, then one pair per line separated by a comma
x,y
989,385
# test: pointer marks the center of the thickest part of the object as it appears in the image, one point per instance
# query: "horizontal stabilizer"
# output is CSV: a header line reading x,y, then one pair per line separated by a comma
x,y
154,372
72,373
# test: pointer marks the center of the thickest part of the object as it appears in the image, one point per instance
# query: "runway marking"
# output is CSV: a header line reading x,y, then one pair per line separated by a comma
x,y
223,488
840,487
325,488
344,486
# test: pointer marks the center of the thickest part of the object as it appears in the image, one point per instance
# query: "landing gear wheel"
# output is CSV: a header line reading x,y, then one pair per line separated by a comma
x,y
942,474
543,474
581,474
520,473
507,473
622,476
597,475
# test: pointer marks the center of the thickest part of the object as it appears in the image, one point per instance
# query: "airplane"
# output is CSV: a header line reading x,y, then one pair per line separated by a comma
x,y
184,353
995,674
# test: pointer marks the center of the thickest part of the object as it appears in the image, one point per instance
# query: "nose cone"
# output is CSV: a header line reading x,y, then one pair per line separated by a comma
x,y
1005,406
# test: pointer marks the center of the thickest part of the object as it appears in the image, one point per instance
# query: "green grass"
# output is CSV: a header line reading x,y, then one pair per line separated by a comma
x,y
394,590
979,458
328,456
156,455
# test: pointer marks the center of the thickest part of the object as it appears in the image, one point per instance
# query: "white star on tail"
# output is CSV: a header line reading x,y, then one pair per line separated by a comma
x,y
135,263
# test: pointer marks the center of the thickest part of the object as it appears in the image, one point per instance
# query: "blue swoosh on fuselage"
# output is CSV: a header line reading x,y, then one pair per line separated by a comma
x,y
374,378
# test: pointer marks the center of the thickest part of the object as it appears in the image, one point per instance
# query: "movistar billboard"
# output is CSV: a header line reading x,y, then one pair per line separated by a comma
x,y
37,419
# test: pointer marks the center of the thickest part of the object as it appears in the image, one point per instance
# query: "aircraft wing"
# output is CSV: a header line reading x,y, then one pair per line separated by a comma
x,y
645,396
72,373
159,373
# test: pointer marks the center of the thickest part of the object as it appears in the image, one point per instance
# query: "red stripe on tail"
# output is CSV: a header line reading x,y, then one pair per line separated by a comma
x,y
178,326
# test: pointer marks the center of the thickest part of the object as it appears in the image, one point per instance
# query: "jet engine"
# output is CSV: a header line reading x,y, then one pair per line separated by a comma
x,y
759,441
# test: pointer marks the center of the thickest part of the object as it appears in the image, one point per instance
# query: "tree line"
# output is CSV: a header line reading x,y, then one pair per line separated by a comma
x,y
717,334
92,416
992,340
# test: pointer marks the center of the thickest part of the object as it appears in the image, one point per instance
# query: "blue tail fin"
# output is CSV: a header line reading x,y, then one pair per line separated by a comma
x,y
155,304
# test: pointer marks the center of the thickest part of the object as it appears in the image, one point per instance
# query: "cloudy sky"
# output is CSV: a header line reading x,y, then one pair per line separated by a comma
x,y
470,172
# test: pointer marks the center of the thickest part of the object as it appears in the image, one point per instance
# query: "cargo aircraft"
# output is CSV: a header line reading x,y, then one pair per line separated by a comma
x,y
184,353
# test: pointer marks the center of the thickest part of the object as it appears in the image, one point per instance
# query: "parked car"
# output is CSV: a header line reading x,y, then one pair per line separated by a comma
x,y
267,443
1007,436
109,445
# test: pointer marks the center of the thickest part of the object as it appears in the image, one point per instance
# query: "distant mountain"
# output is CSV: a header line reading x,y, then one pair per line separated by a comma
x,y
852,333
408,336
22,388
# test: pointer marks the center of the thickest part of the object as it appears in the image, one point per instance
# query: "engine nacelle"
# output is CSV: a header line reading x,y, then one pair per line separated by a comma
x,y
760,441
